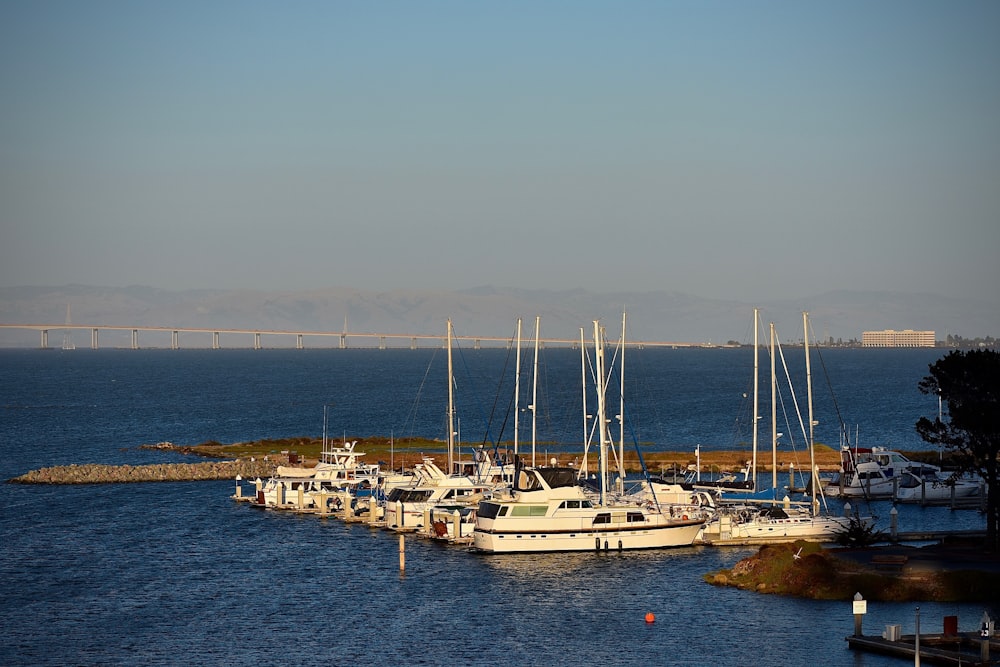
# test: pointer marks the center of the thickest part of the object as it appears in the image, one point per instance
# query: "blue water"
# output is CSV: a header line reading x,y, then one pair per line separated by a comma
x,y
177,573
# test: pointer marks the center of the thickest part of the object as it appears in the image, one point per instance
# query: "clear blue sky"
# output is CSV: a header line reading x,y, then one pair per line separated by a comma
x,y
745,150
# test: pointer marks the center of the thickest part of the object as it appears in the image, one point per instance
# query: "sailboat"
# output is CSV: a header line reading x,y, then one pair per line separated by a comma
x,y
744,523
546,510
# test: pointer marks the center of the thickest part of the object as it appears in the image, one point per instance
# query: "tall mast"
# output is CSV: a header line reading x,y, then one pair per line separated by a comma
x,y
517,385
774,421
451,408
534,395
812,422
756,399
602,422
621,417
584,468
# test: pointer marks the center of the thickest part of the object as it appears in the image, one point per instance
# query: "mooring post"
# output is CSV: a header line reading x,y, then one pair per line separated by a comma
x,y
893,523
984,641
860,609
916,641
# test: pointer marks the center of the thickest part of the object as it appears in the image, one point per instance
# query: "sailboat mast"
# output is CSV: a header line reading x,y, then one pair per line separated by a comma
x,y
756,398
534,395
517,385
326,450
621,417
584,468
812,422
451,408
602,427
774,419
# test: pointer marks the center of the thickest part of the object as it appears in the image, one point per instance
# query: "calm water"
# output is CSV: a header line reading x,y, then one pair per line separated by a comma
x,y
178,573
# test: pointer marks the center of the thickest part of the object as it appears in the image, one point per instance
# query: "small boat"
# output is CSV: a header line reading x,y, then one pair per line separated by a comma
x,y
873,473
746,525
928,485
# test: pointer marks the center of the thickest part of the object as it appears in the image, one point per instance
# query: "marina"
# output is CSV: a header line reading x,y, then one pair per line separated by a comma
x,y
142,573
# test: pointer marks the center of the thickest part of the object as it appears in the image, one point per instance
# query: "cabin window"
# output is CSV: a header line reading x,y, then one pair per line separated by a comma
x,y
634,517
603,517
529,510
489,510
570,504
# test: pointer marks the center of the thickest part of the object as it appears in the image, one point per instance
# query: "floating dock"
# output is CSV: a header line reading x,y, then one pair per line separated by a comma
x,y
966,648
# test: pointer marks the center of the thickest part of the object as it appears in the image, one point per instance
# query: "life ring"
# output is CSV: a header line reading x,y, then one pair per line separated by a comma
x,y
684,517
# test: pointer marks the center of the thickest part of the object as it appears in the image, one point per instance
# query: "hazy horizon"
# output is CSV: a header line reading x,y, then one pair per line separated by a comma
x,y
732,151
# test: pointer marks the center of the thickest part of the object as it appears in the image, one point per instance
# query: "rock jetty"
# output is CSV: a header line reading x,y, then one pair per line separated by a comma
x,y
94,473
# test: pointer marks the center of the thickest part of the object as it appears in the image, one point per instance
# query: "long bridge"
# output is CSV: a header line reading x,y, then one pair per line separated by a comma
x,y
380,340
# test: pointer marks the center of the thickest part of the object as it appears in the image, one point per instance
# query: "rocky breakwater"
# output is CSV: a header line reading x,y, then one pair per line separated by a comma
x,y
94,473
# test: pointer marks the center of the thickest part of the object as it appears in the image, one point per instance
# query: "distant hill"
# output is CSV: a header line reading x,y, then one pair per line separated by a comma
x,y
483,311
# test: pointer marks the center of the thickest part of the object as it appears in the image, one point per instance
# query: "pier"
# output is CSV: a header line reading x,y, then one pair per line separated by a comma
x,y
966,648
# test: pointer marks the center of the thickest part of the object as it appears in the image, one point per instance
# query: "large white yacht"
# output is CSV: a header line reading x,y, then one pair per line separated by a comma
x,y
546,510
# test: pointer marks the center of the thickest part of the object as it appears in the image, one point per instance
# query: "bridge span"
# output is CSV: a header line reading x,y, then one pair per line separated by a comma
x,y
255,337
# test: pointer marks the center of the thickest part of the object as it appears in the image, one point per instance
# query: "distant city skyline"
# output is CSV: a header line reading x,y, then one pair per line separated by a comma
x,y
734,151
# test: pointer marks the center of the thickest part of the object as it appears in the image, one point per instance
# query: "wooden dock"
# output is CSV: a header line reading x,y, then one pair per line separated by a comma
x,y
966,648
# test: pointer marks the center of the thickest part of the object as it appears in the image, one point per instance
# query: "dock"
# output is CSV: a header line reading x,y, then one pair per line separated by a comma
x,y
967,648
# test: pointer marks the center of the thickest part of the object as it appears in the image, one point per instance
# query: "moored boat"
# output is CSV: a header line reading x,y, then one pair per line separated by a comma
x,y
873,473
546,510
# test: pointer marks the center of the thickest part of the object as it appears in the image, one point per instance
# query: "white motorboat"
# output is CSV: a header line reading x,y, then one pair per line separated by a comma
x,y
339,474
873,473
926,485
405,505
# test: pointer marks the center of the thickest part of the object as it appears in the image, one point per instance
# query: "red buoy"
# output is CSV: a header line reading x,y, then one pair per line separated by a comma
x,y
650,617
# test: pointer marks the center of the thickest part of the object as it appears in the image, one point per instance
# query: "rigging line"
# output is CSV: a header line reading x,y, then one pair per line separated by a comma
x,y
411,417
844,432
638,451
496,403
798,412
472,384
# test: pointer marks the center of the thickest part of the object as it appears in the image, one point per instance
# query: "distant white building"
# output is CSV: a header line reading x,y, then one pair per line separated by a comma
x,y
893,338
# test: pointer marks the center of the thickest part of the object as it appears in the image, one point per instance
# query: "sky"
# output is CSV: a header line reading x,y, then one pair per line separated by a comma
x,y
733,150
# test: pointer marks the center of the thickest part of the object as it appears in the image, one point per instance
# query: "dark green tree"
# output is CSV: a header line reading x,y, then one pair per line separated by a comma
x,y
968,382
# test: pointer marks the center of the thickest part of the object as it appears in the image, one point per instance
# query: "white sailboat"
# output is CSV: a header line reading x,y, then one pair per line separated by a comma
x,y
774,522
546,510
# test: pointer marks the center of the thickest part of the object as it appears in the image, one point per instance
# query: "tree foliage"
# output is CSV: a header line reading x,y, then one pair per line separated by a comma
x,y
968,382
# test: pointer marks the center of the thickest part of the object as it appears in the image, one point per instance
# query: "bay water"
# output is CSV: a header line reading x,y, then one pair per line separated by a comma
x,y
178,573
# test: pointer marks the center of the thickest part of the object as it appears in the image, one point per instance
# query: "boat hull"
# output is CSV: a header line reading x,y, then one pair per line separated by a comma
x,y
680,534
